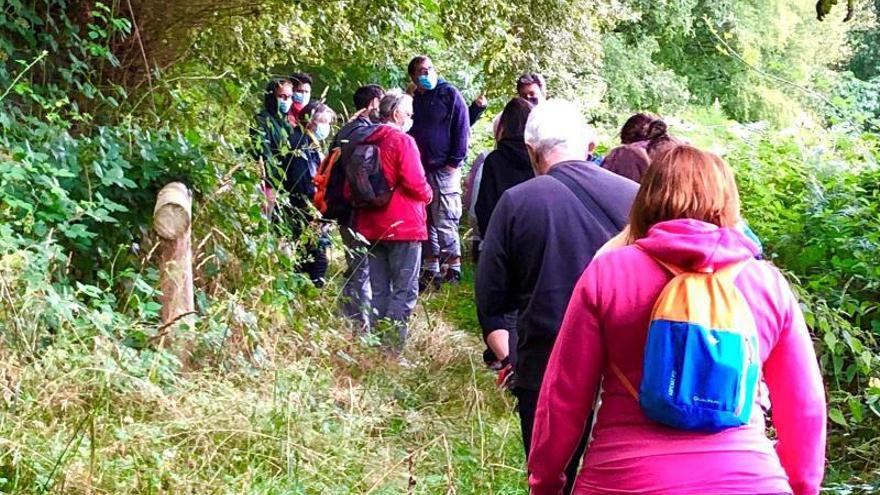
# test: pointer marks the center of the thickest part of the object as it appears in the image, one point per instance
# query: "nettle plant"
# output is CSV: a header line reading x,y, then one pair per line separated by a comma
x,y
815,208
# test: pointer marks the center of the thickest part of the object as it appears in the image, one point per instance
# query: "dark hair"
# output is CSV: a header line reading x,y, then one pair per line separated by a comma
x,y
630,161
270,103
513,119
300,78
415,62
659,139
365,94
528,80
636,128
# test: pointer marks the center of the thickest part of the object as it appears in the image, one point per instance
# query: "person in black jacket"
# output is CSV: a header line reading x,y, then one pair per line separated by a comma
x,y
356,292
271,132
507,165
296,178
539,240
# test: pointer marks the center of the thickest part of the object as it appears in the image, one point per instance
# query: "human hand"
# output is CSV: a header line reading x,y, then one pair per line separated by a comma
x,y
506,375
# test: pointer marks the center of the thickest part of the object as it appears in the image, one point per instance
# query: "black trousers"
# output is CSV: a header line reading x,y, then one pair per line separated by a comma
x,y
313,251
527,403
315,265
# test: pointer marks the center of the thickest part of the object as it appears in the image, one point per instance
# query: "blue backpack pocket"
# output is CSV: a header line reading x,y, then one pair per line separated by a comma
x,y
697,378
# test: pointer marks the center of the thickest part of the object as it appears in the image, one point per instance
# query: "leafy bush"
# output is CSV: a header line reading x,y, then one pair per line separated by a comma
x,y
814,205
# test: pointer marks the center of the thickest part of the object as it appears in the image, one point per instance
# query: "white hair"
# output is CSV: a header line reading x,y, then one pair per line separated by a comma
x,y
556,124
393,99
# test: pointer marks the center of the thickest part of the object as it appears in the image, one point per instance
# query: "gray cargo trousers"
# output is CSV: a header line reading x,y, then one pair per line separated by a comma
x,y
444,214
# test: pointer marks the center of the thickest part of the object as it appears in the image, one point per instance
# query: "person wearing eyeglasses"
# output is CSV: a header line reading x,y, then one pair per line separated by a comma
x,y
397,229
441,129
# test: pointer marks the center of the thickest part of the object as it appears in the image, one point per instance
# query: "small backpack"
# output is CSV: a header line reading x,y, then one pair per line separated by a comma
x,y
329,185
701,366
366,179
332,176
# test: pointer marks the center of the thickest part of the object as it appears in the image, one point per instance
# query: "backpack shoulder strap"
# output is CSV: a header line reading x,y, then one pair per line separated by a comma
x,y
586,199
729,273
623,379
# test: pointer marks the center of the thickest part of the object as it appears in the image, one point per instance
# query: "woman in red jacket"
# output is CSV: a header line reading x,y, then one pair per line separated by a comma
x,y
685,215
395,231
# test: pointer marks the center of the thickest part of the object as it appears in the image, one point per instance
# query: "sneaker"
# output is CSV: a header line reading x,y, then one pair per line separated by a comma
x,y
429,280
452,276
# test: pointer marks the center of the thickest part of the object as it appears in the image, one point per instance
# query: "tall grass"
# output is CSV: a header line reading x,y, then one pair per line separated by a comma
x,y
320,411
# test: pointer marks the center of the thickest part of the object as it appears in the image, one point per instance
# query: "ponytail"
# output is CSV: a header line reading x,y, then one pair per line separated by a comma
x,y
656,130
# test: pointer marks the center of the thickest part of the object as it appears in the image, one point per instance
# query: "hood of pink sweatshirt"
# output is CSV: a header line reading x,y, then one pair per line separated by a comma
x,y
697,246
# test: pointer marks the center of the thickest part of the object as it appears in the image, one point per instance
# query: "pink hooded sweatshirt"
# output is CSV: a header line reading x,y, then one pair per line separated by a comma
x,y
607,319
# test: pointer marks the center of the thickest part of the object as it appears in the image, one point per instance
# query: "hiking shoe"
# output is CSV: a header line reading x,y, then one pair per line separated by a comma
x,y
452,276
429,280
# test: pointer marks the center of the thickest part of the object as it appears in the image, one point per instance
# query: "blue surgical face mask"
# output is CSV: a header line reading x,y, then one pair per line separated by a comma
x,y
283,105
322,131
301,98
428,81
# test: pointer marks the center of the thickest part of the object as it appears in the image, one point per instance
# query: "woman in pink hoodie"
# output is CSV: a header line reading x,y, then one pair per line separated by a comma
x,y
684,215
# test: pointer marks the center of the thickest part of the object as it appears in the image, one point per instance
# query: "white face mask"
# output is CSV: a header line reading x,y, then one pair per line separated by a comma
x,y
322,131
407,125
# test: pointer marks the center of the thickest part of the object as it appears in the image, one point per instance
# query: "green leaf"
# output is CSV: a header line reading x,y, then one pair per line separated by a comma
x,y
855,407
835,415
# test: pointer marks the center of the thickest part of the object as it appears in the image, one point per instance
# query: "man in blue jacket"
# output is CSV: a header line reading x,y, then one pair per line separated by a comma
x,y
441,129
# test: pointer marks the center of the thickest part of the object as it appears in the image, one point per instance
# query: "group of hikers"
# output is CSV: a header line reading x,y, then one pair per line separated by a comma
x,y
623,300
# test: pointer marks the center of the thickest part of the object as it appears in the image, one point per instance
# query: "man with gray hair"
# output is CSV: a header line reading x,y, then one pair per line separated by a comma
x,y
396,229
542,235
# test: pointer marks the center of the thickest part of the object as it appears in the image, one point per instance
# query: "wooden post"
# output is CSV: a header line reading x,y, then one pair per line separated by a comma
x,y
171,219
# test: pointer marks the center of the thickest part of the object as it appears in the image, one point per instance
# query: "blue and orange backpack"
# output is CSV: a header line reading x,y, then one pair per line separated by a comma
x,y
701,367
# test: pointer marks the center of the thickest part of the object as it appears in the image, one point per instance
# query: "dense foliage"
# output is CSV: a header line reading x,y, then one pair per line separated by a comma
x,y
102,103
812,197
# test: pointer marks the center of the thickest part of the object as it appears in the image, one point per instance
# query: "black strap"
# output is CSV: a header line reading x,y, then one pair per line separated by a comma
x,y
593,208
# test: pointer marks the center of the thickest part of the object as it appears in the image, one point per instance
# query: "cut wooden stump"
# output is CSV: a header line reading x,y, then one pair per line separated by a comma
x,y
172,218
